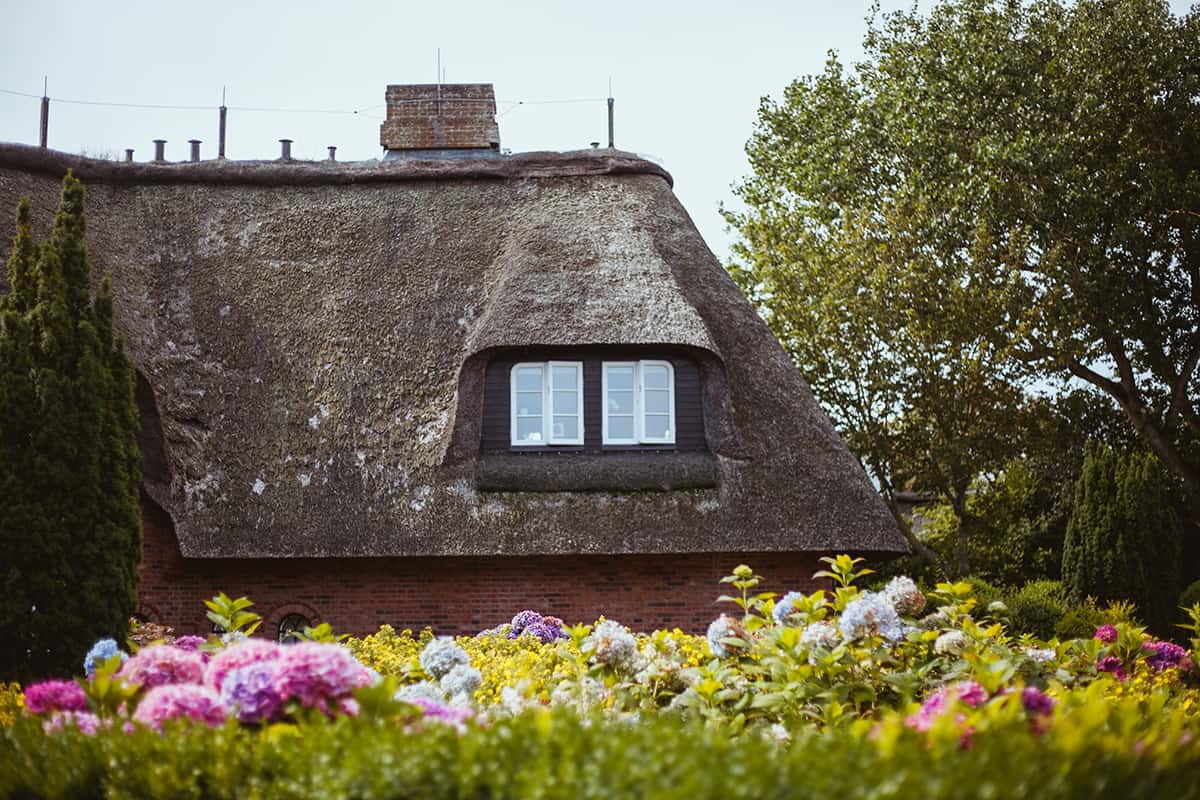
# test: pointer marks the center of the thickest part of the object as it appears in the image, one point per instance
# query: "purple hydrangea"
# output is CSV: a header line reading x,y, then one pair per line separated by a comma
x,y
1165,655
522,621
545,630
245,652
163,664
249,692
180,701
85,721
1106,634
1036,701
318,675
101,651
190,643
50,696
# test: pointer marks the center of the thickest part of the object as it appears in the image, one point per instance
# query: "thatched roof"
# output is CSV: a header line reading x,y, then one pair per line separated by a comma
x,y
314,336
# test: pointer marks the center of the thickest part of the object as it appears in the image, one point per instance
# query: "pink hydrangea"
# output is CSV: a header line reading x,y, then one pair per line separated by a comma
x,y
163,665
451,716
190,643
180,701
85,721
940,701
318,675
1106,634
248,651
49,696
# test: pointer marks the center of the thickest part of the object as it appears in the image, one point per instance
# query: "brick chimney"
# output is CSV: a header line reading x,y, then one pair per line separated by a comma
x,y
449,120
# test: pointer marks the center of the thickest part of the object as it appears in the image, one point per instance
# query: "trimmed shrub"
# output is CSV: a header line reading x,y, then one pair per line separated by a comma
x,y
1081,622
1036,608
1124,538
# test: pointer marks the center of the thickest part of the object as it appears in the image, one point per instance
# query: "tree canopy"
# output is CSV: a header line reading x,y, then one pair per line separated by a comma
x,y
1000,193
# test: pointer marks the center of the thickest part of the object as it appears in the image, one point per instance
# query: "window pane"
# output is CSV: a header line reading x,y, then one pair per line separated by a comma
x,y
529,430
529,379
658,401
656,376
620,402
620,427
565,377
658,426
566,428
620,377
529,404
566,402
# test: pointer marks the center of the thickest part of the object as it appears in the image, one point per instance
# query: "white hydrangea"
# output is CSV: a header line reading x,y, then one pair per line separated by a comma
x,y
951,643
904,596
871,613
461,679
421,690
611,643
821,634
442,655
1041,656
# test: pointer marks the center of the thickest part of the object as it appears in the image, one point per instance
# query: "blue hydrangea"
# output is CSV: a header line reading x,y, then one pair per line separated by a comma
x,y
786,606
871,613
442,655
101,651
723,627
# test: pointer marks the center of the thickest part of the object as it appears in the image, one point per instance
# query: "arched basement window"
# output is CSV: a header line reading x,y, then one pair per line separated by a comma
x,y
290,627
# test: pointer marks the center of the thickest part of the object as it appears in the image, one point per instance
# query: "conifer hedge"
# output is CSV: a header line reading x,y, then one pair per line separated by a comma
x,y
1124,538
70,531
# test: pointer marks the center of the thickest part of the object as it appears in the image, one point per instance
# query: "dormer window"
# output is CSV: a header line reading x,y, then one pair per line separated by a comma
x,y
546,403
638,398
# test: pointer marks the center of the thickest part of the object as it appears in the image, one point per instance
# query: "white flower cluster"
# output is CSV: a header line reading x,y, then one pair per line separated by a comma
x,y
611,643
421,690
1040,656
951,643
905,597
821,634
442,655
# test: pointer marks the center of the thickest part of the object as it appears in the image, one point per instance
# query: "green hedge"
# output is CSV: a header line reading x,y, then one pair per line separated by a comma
x,y
551,756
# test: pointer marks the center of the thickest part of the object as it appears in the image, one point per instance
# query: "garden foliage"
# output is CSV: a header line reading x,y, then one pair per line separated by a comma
x,y
909,694
70,530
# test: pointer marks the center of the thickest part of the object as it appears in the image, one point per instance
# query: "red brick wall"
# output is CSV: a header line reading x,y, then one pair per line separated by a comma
x,y
452,595
461,115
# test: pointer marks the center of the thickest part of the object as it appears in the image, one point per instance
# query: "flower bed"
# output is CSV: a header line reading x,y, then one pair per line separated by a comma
x,y
885,678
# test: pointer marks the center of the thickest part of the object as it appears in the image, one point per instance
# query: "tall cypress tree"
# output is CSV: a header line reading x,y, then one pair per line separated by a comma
x,y
1124,538
70,471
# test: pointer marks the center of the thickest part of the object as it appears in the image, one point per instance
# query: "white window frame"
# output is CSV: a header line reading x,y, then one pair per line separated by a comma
x,y
639,402
547,368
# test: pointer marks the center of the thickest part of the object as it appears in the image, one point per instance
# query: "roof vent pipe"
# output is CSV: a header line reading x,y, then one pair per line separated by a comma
x,y
610,123
195,143
285,149
128,155
332,153
160,147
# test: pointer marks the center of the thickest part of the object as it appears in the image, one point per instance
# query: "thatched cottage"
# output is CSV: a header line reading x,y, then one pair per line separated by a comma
x,y
451,384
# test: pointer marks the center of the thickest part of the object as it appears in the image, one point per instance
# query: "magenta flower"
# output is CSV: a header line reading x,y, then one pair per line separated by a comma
x,y
162,665
249,651
941,700
190,643
317,675
1113,665
1106,634
443,714
1036,701
180,701
49,696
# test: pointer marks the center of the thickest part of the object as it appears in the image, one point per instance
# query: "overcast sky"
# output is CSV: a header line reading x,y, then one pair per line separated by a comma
x,y
687,76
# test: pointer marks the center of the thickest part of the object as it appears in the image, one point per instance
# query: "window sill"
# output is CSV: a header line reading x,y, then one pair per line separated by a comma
x,y
613,471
